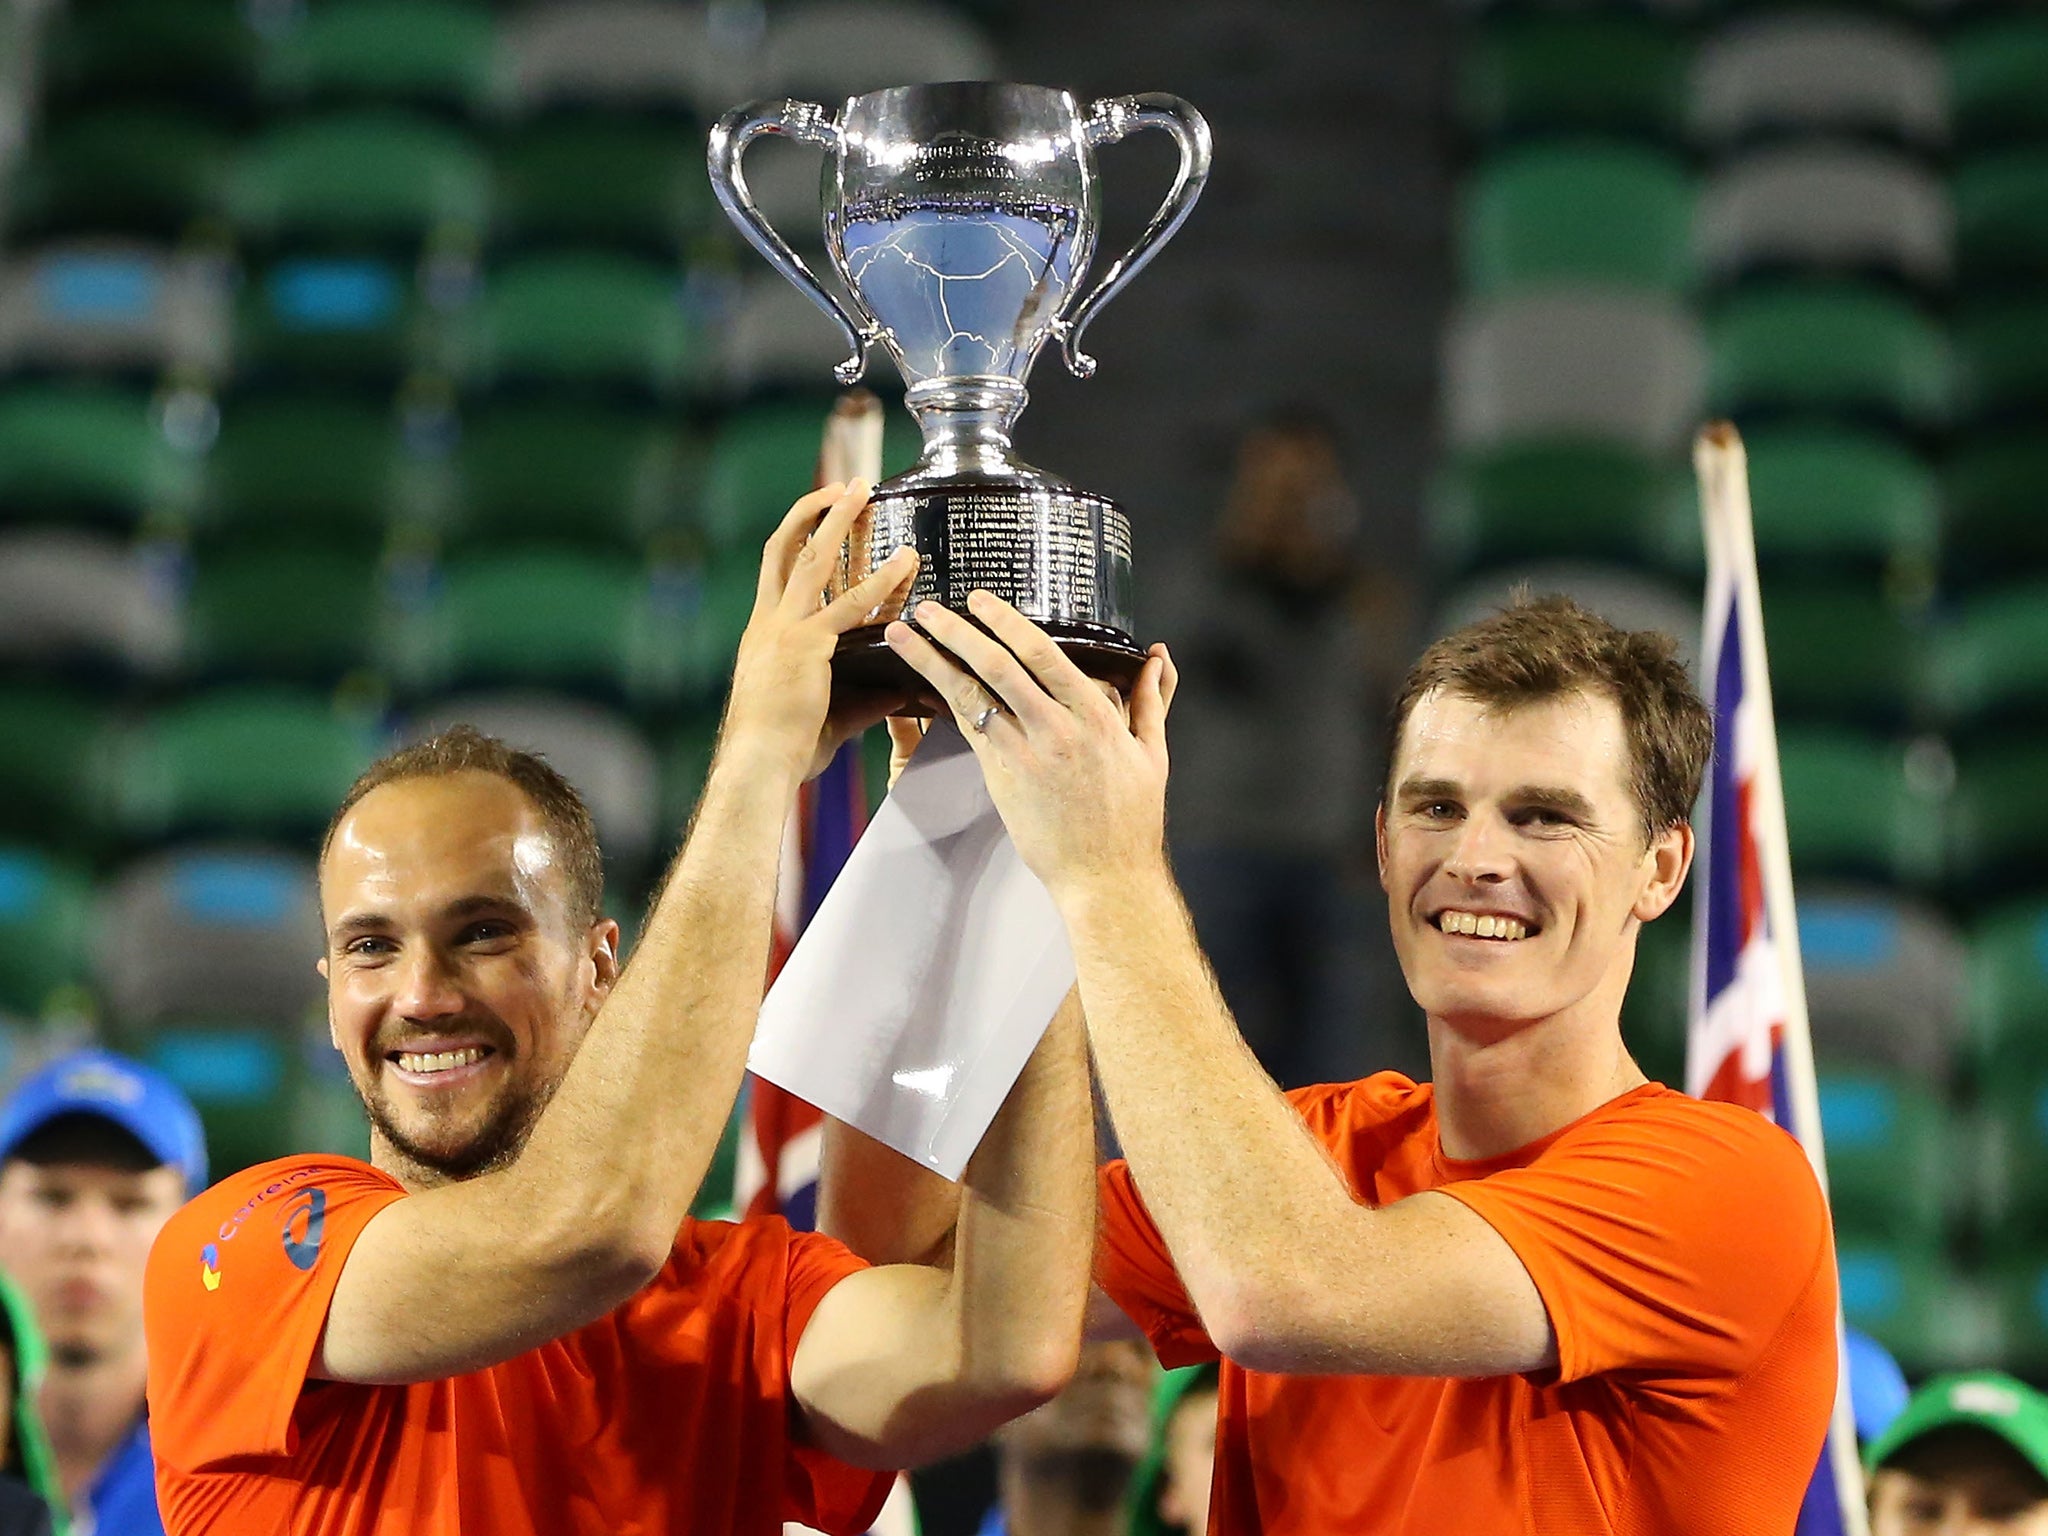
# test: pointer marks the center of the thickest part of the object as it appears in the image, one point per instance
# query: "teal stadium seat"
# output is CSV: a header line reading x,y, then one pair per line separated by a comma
x,y
1842,650
589,319
436,54
1904,1296
242,1077
574,473
1609,215
1855,808
85,450
1832,497
304,466
1888,1152
765,457
353,319
1580,500
305,612
376,178
1820,346
45,926
1990,664
1600,71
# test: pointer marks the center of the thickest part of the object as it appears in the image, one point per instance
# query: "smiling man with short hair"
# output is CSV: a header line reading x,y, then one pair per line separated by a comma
x,y
1538,1293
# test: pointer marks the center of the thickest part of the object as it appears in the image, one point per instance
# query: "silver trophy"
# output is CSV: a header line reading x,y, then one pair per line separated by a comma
x,y
960,220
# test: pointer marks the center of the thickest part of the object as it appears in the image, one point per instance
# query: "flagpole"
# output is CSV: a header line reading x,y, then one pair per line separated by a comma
x,y
1722,466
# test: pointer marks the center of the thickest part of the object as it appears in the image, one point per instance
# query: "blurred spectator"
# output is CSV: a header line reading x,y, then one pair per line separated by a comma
x,y
96,1153
27,1486
1065,1469
1283,636
1877,1387
1968,1455
1171,1490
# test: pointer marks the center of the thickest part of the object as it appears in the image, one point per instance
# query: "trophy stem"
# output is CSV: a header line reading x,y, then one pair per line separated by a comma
x,y
966,424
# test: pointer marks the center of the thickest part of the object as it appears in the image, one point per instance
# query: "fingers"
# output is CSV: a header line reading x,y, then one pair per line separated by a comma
x,y
905,737
993,664
857,604
1169,683
960,691
1150,701
781,549
1051,667
810,571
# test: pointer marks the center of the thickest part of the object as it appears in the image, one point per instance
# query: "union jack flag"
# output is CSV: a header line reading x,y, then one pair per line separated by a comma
x,y
1747,1041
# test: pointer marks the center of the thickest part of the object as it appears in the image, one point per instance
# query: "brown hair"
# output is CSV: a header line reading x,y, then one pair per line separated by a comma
x,y
465,749
1547,647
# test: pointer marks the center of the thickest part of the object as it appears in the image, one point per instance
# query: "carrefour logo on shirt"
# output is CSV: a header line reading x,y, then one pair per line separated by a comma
x,y
209,1267
303,1249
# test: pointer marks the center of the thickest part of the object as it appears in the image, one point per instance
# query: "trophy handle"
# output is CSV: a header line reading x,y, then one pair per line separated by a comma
x,y
1111,119
805,121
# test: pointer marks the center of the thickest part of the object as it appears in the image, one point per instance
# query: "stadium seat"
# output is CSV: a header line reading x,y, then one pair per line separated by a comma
x,y
543,617
2001,349
685,763
1996,64
828,50
113,305
211,931
1524,501
766,456
242,1077
1778,73
1826,207
1888,1150
620,55
352,319
1628,598
2008,996
1843,650
1603,70
45,923
2012,1180
122,171
437,54
53,744
1990,662
1844,499
1998,817
1653,1015
298,466
582,319
358,180
1887,980
85,602
1823,346
1906,1296
1856,808
302,612
775,337
635,183
597,749
1603,367
574,473
249,762
200,54
710,612
2001,203
1993,492
1609,215
83,450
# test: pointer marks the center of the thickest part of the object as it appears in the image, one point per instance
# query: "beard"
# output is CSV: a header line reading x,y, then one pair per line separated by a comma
x,y
437,1145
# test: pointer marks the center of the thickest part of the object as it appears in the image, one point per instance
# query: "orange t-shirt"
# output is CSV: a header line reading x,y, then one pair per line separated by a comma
x,y
670,1414
1683,1252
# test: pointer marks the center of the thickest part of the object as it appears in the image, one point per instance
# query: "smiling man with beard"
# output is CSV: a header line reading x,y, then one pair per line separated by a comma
x,y
505,1323
1538,1293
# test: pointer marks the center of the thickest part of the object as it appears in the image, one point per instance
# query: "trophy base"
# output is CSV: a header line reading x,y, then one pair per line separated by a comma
x,y
864,665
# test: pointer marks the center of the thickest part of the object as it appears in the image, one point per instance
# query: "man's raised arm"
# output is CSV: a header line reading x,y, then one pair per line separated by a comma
x,y
459,1277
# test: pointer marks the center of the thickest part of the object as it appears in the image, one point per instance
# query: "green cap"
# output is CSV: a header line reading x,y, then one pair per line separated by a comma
x,y
1143,1499
1988,1400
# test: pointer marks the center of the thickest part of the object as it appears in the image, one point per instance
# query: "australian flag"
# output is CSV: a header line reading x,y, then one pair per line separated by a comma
x,y
1747,1040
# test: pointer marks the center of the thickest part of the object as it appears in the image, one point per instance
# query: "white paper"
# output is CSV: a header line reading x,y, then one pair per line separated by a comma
x,y
929,972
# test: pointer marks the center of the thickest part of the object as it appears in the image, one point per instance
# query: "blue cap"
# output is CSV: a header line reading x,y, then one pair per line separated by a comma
x,y
1877,1387
144,1103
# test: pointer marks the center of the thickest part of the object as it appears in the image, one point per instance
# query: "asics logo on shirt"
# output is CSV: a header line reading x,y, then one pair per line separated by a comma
x,y
312,1204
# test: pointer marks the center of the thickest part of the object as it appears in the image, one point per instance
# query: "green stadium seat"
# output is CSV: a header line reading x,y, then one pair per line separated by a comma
x,y
685,763
1998,817
197,53
576,473
307,613
1841,650
1842,498
1597,71
78,449
1903,1295
1995,488
2008,995
767,456
255,761
127,171
2001,349
2019,1286
1855,807
295,466
2001,202
589,318
1825,346
243,1078
1530,500
427,53
1653,1015
53,747
1996,66
2013,1171
714,605
1990,663
608,181
1889,1158
45,927
355,319
374,178
541,616
1610,215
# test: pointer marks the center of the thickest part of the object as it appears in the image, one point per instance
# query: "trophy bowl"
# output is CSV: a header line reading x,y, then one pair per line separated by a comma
x,y
960,220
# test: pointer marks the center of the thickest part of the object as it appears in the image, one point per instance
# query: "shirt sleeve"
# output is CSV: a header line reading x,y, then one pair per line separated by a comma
x,y
819,1490
1673,1243
1133,1266
235,1298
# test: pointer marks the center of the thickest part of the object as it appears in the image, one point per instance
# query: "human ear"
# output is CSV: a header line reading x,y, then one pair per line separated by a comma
x,y
1667,860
